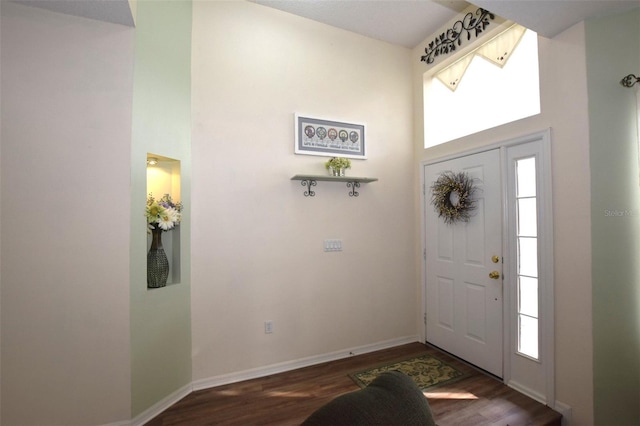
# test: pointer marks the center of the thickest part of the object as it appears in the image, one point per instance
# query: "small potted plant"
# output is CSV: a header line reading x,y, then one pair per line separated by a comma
x,y
337,166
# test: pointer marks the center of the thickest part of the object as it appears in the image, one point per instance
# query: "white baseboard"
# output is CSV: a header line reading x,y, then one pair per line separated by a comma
x,y
527,391
565,410
161,405
255,373
121,423
558,406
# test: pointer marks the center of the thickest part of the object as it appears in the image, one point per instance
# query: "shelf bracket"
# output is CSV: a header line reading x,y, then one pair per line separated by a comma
x,y
309,183
353,186
353,183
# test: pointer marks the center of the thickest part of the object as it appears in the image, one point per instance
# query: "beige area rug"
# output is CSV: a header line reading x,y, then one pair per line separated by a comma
x,y
426,370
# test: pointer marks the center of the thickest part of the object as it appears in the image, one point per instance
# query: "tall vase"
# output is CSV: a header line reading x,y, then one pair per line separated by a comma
x,y
157,262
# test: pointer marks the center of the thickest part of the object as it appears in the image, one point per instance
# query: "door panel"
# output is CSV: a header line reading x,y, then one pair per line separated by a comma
x,y
445,244
463,305
475,312
445,302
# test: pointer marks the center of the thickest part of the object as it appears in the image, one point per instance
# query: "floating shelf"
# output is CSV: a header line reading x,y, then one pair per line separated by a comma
x,y
312,180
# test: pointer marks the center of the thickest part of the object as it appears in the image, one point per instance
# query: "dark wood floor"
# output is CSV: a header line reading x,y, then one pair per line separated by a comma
x,y
288,398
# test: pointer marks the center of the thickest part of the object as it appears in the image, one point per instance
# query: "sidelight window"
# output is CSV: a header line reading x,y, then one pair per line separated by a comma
x,y
527,257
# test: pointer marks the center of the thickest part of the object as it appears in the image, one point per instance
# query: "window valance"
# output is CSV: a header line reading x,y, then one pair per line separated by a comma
x,y
498,50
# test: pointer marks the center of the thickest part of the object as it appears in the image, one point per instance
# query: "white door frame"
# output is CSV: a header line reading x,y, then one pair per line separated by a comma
x,y
546,254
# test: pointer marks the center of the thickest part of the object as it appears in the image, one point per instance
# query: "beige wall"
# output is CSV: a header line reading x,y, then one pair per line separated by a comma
x,y
0,227
257,245
616,237
66,132
258,242
161,124
564,110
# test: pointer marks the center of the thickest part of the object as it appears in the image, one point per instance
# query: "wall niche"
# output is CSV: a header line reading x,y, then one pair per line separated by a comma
x,y
163,179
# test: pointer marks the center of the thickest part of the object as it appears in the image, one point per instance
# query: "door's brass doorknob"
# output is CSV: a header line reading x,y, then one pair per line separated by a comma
x,y
494,275
495,259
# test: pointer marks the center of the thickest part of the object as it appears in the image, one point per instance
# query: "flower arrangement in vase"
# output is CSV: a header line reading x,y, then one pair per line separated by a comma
x,y
337,166
162,215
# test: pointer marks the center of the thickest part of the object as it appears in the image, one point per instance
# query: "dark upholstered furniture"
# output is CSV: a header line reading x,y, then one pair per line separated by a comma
x,y
392,398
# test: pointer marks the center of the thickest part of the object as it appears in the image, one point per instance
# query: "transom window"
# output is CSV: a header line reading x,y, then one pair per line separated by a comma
x,y
486,96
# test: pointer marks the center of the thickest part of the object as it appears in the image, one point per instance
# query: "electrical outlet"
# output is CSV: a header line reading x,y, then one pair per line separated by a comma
x,y
268,327
332,245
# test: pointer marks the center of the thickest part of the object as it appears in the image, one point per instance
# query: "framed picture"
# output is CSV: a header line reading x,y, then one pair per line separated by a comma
x,y
316,136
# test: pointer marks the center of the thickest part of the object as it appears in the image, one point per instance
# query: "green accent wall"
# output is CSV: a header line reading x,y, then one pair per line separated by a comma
x,y
160,318
613,51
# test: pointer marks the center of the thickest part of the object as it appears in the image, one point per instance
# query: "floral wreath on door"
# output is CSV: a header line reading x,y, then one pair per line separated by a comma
x,y
452,197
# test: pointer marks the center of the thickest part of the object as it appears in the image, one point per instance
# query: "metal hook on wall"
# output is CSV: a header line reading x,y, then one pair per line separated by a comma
x,y
630,80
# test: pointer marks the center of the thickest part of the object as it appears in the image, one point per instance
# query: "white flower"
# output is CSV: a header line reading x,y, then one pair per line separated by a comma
x,y
169,218
163,214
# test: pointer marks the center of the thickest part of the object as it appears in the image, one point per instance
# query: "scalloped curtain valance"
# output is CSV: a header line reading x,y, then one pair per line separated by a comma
x,y
498,50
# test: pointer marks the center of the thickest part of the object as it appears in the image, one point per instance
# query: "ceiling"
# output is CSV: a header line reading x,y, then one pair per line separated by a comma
x,y
550,17
401,22
114,11
409,22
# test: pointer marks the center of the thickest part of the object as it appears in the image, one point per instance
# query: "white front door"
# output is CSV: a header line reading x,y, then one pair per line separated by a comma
x,y
463,303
